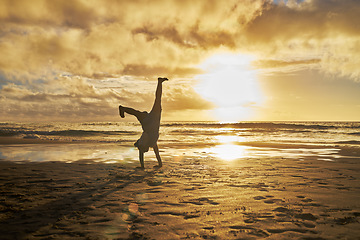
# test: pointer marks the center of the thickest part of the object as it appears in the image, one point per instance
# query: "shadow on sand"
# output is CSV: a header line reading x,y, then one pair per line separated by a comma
x,y
23,215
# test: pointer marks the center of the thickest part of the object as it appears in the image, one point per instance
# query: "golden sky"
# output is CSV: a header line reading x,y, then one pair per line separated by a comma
x,y
226,60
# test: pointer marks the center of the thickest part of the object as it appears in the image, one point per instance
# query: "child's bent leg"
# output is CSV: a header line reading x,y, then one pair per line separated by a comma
x,y
139,115
157,154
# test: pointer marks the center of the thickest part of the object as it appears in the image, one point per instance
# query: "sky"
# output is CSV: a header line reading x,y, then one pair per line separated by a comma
x,y
244,60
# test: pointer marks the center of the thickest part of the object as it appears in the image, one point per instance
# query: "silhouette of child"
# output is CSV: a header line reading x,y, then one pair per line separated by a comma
x,y
150,123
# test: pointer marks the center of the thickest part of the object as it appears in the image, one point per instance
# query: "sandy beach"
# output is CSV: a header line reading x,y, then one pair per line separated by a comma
x,y
193,196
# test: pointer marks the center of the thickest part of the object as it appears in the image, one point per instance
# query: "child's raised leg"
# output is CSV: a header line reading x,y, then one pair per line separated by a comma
x,y
158,93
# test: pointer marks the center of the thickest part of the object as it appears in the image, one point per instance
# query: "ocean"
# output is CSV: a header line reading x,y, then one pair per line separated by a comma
x,y
113,141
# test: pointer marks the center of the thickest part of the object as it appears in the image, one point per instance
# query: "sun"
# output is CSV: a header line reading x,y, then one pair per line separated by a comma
x,y
230,83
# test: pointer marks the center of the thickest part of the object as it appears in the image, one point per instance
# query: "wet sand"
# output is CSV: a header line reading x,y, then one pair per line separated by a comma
x,y
191,197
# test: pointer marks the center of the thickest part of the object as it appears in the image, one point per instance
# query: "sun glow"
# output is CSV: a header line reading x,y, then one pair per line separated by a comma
x,y
231,84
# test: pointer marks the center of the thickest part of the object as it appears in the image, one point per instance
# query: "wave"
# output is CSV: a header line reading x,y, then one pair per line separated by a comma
x,y
69,133
100,123
8,133
269,125
352,142
195,131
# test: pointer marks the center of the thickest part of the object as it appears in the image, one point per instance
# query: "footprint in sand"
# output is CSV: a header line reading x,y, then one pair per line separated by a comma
x,y
248,229
208,228
259,198
297,230
282,210
200,201
304,199
185,215
308,225
306,216
154,182
269,199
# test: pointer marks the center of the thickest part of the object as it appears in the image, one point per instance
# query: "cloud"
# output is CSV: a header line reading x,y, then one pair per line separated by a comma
x,y
43,41
154,71
76,99
194,37
268,65
68,98
314,19
86,38
184,98
92,37
312,29
77,14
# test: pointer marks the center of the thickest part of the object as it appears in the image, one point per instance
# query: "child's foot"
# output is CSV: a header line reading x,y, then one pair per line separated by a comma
x,y
162,79
157,166
121,111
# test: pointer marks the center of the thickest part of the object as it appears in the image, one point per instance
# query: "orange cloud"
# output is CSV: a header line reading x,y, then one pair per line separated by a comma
x,y
105,40
324,30
86,38
184,98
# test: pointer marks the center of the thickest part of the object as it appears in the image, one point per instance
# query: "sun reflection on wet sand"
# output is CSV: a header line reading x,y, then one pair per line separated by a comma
x,y
229,152
101,153
227,148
